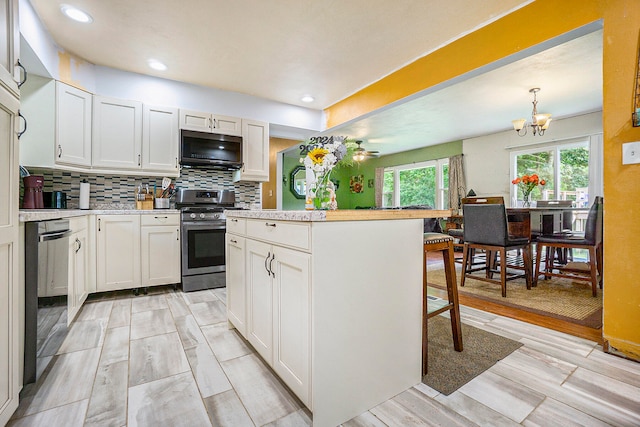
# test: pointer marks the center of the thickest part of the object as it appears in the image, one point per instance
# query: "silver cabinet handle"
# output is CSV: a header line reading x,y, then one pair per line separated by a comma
x,y
273,273
59,150
79,244
265,264
24,74
176,163
272,224
163,217
139,159
177,234
20,133
98,224
234,220
233,241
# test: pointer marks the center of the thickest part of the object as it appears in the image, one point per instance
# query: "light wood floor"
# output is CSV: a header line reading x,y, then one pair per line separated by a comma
x,y
169,359
592,334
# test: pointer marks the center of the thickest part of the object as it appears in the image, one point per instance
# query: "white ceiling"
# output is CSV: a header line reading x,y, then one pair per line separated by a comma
x,y
284,49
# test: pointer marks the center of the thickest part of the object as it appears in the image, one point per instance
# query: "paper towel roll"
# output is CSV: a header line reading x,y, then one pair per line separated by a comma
x,y
84,195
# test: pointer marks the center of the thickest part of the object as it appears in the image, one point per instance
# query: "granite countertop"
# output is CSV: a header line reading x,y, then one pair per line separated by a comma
x,y
339,215
27,215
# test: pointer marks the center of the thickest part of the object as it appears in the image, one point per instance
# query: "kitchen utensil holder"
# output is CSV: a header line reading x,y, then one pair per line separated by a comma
x,y
161,203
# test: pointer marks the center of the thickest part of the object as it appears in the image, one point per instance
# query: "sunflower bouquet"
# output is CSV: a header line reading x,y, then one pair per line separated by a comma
x,y
323,154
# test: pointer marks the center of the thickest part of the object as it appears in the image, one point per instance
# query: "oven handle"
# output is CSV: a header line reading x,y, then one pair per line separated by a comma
x,y
199,225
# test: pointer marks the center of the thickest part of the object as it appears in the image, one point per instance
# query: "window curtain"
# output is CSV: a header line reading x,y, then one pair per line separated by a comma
x,y
379,186
457,182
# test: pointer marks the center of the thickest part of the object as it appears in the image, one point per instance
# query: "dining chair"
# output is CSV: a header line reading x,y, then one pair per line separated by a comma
x,y
591,240
458,233
485,228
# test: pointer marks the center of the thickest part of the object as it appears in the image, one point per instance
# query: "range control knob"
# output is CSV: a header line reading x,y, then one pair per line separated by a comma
x,y
216,216
202,215
192,216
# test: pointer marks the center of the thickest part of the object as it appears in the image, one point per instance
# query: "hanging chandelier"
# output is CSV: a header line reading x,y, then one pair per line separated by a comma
x,y
539,121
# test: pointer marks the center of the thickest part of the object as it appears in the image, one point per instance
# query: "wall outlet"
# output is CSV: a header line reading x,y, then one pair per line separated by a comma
x,y
630,153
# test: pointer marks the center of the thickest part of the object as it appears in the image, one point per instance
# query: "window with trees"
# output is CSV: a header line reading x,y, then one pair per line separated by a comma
x,y
564,167
424,183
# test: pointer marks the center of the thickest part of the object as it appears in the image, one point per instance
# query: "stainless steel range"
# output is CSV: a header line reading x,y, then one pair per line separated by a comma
x,y
202,230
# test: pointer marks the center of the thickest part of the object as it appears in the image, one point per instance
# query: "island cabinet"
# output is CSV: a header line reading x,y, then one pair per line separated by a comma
x,y
334,307
78,277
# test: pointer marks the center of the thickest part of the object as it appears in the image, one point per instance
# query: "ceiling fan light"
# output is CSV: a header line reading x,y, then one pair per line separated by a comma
x,y
518,124
358,157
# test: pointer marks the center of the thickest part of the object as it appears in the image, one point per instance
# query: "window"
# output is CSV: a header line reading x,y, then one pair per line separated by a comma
x,y
564,167
424,183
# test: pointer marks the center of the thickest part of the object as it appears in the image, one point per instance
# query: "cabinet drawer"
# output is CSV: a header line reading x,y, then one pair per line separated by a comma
x,y
160,219
297,235
78,223
237,226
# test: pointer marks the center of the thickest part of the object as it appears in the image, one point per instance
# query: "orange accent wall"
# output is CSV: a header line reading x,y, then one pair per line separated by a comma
x,y
531,25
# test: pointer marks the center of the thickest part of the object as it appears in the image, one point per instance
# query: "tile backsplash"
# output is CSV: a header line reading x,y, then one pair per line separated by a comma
x,y
118,191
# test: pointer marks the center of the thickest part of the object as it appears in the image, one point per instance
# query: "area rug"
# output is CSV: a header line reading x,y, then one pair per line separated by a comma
x,y
561,298
448,370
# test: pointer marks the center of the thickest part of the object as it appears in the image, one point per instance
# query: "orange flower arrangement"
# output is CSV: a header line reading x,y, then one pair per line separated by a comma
x,y
527,183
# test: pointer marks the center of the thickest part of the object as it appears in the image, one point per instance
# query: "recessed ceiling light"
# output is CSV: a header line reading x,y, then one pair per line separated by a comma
x,y
156,65
307,98
76,14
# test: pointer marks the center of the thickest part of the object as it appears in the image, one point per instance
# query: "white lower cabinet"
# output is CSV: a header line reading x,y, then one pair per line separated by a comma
x,y
118,252
272,296
160,249
291,320
235,278
136,250
78,288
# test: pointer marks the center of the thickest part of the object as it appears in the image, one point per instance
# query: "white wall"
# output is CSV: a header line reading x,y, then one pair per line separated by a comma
x,y
487,158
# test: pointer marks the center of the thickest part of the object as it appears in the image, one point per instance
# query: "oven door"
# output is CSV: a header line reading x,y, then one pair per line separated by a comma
x,y
203,247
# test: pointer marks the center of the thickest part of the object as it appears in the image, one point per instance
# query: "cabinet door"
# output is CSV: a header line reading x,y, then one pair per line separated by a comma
x,y
160,139
195,120
227,125
78,269
255,152
10,313
118,252
160,254
291,320
9,45
117,133
73,126
236,284
259,327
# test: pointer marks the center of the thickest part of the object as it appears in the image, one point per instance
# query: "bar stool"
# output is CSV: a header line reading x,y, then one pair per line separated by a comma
x,y
437,242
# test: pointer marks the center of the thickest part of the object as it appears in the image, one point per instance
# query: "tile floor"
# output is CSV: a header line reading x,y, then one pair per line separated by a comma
x,y
169,359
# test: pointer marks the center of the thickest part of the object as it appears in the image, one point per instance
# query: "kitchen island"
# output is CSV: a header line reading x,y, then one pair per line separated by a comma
x,y
332,301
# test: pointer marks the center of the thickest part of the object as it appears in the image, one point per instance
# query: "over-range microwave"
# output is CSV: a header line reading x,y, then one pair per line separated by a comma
x,y
210,150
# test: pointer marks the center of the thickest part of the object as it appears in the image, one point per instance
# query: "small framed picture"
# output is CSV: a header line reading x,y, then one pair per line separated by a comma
x,y
370,183
356,183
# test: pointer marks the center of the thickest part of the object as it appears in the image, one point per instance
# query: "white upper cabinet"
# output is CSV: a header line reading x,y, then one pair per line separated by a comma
x,y
9,46
160,139
226,125
73,126
117,133
255,152
207,122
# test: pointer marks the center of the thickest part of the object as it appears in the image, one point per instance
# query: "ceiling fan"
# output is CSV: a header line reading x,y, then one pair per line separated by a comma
x,y
359,154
